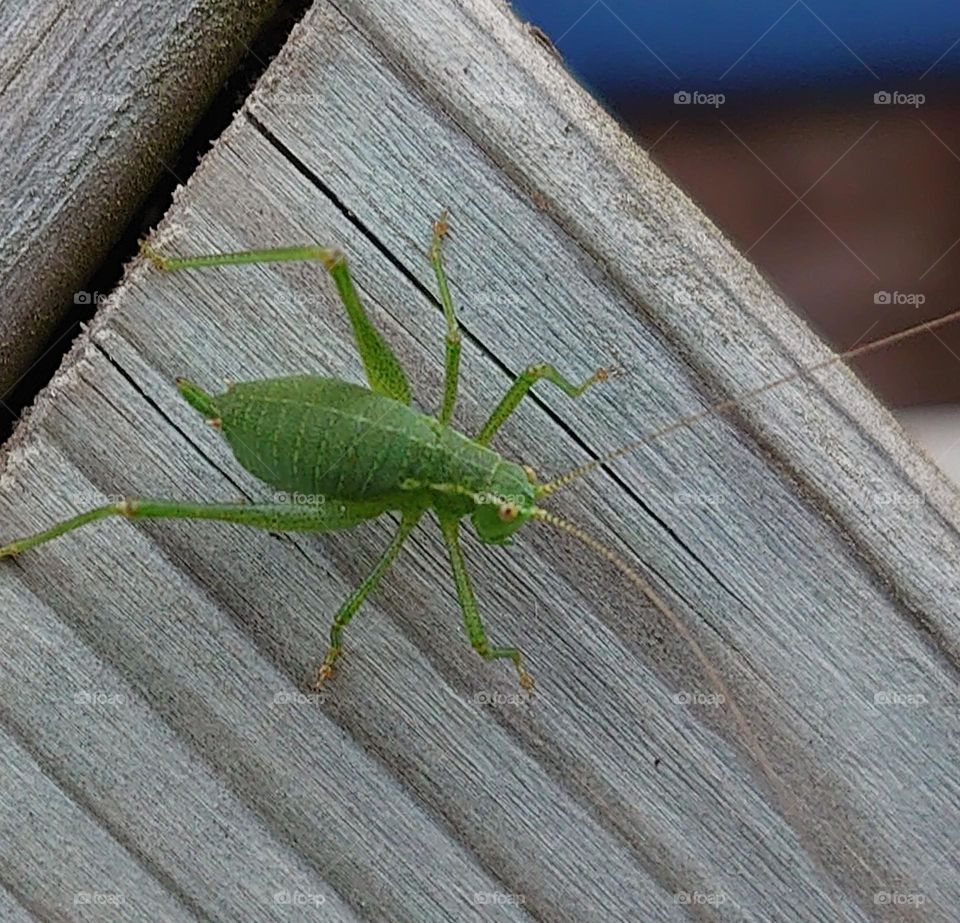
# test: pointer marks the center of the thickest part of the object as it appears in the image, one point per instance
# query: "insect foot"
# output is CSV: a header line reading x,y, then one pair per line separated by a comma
x,y
324,672
161,262
441,227
608,372
526,681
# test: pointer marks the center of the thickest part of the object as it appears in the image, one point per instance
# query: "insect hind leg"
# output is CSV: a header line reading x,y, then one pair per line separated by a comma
x,y
385,375
320,514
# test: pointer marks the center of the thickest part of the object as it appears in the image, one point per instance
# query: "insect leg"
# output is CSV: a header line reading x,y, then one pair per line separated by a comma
x,y
524,382
384,372
319,515
349,608
452,340
471,617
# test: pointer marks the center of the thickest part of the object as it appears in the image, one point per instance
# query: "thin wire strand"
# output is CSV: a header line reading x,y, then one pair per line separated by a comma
x,y
544,490
748,737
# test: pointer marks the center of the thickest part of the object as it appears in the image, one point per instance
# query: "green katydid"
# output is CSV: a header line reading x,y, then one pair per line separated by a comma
x,y
357,452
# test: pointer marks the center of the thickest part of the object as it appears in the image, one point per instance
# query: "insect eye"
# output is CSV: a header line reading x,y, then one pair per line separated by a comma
x,y
507,512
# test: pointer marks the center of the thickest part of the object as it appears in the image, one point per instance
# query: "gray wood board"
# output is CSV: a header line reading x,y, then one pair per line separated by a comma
x,y
95,100
151,670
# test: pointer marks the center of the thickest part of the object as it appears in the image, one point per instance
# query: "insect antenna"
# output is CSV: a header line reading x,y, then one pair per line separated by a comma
x,y
748,737
550,487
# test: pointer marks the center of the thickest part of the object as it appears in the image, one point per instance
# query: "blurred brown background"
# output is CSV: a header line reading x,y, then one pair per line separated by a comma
x,y
853,212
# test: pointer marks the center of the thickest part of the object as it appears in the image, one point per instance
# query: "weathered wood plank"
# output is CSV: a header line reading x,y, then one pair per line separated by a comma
x,y
95,98
41,823
108,754
718,316
13,911
400,794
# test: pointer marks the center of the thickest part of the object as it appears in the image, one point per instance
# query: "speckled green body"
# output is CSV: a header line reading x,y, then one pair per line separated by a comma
x,y
314,435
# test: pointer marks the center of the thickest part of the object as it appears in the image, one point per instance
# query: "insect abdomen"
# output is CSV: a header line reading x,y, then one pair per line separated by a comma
x,y
315,435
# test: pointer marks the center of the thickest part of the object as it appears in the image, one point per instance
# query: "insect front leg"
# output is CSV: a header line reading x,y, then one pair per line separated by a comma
x,y
385,375
450,527
349,608
452,340
524,382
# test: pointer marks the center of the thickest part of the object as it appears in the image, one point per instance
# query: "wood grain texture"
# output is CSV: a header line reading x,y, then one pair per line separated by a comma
x,y
95,99
806,545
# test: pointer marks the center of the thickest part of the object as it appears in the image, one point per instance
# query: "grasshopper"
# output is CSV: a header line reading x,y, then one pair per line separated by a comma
x,y
352,453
